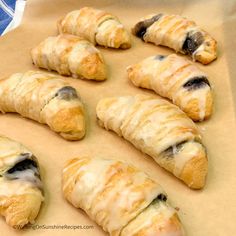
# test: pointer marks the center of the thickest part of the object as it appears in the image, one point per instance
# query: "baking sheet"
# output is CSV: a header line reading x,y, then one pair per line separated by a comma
x,y
208,212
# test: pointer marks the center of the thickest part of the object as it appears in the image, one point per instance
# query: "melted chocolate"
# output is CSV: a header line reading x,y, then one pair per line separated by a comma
x,y
160,57
196,83
141,27
67,93
169,152
192,42
162,197
23,165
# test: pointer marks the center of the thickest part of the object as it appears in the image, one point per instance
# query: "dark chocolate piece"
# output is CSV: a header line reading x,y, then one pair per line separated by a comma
x,y
160,57
162,197
141,27
26,170
23,165
192,42
67,93
169,152
196,83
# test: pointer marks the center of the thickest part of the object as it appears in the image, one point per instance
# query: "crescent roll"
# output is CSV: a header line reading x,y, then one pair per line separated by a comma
x,y
179,80
119,197
159,129
21,191
70,55
178,33
99,27
44,98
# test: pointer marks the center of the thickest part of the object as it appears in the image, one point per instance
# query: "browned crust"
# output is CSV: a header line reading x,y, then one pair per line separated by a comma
x,y
19,210
70,122
195,171
210,51
192,108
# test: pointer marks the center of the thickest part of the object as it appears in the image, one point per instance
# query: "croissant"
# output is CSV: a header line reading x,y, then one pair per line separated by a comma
x,y
179,80
44,98
97,26
159,129
21,191
178,33
70,55
119,197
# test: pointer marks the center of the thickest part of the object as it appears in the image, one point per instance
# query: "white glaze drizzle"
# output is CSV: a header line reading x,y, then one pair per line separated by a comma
x,y
11,153
157,215
28,175
188,151
162,81
106,32
77,54
159,34
152,125
109,209
17,187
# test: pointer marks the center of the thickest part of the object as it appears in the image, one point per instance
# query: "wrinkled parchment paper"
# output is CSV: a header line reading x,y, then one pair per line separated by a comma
x,y
209,212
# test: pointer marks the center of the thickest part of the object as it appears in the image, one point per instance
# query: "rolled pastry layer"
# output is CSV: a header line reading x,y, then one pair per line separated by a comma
x,y
178,33
21,191
44,98
97,26
70,55
178,79
159,129
119,197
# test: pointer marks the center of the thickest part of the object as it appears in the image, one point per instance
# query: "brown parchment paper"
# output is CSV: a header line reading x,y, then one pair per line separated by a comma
x,y
209,212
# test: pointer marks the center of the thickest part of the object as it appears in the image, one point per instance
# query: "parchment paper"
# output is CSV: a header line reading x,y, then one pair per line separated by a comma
x,y
209,212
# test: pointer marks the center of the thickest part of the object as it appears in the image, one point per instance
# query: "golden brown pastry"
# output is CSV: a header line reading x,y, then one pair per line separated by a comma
x,y
178,79
70,55
159,129
119,197
97,26
45,98
21,191
178,33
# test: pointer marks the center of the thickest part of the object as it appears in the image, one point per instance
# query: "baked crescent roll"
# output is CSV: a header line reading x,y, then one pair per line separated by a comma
x,y
21,191
179,80
119,197
45,98
178,33
159,129
70,55
99,27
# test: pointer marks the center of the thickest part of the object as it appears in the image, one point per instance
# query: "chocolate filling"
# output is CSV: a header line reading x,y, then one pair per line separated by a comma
x,y
161,197
67,93
196,83
160,57
23,165
192,42
141,27
169,152
25,170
